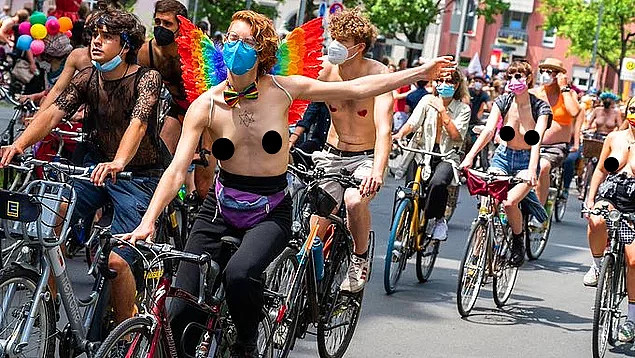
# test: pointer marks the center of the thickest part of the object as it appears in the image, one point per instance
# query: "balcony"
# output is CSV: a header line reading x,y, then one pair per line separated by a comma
x,y
512,36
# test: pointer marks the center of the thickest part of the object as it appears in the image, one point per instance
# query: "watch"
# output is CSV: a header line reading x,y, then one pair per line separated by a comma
x,y
566,88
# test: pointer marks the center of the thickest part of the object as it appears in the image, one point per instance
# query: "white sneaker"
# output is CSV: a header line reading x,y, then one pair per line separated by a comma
x,y
535,223
440,230
356,277
592,276
432,223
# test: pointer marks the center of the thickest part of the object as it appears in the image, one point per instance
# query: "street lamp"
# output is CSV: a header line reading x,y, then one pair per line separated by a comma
x,y
595,42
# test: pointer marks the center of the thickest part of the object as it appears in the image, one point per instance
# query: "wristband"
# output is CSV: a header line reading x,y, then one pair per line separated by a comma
x,y
566,88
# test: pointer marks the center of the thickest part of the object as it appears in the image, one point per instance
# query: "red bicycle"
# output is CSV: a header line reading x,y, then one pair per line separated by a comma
x,y
150,336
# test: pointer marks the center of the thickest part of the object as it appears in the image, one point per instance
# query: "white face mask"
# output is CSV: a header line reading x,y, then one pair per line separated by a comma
x,y
478,86
338,53
546,79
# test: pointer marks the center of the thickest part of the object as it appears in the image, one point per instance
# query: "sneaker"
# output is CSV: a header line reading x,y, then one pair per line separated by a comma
x,y
517,251
432,223
535,223
565,195
440,230
627,332
592,276
356,277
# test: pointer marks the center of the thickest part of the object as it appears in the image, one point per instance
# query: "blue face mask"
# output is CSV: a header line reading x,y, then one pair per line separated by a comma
x,y
445,90
238,57
110,65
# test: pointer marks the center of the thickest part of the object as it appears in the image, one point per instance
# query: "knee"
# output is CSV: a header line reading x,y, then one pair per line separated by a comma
x,y
510,204
353,200
630,260
237,278
597,224
117,263
545,168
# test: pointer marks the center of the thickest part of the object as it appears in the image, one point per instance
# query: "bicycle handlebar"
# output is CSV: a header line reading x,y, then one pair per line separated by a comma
x,y
27,164
612,215
493,177
425,152
344,177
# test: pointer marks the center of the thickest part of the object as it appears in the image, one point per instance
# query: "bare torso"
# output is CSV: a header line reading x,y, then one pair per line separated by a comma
x,y
169,66
246,126
519,117
606,120
352,122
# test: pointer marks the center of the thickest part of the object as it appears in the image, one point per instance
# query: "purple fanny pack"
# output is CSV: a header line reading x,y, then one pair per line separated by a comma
x,y
242,209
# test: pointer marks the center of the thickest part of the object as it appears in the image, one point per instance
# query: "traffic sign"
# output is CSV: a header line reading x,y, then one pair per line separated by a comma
x,y
628,69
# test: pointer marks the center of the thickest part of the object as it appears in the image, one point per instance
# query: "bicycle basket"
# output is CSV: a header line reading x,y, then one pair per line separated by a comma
x,y
591,148
479,186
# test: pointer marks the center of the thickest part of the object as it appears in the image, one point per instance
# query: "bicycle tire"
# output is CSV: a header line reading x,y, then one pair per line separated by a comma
x,y
279,268
352,302
560,207
603,297
30,278
502,291
399,237
534,251
480,227
128,330
430,250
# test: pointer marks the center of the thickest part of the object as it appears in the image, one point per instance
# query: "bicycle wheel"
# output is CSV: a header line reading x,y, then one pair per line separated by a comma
x,y
131,338
17,287
426,258
472,269
603,330
536,237
280,279
398,245
505,274
339,311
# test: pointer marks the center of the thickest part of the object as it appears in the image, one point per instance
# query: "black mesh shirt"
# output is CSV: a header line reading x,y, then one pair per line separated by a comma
x,y
111,106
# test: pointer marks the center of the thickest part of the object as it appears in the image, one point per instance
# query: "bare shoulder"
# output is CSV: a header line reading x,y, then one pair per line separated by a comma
x,y
79,58
374,67
326,70
143,55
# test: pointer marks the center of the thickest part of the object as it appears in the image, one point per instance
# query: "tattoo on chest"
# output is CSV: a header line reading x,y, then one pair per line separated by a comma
x,y
246,118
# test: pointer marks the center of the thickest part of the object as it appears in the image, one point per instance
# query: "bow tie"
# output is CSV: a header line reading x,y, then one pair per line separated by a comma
x,y
232,97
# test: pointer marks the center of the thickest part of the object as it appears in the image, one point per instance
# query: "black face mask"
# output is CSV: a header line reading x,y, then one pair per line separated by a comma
x,y
607,104
163,36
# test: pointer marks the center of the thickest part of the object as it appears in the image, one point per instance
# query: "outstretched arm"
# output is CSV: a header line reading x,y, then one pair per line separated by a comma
x,y
306,88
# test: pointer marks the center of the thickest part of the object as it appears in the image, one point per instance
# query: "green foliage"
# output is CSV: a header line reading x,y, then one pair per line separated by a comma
x,y
412,17
219,12
575,20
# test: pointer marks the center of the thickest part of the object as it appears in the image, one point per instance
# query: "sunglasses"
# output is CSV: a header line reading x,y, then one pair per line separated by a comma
x,y
448,81
516,75
550,72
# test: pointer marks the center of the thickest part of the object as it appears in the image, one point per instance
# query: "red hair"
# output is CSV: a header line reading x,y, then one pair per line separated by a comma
x,y
265,35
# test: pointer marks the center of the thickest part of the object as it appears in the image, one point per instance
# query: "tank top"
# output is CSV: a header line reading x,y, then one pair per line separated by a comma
x,y
560,113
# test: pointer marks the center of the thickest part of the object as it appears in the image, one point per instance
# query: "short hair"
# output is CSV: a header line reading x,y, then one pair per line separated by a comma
x,y
522,67
385,60
265,35
22,15
172,6
351,23
126,24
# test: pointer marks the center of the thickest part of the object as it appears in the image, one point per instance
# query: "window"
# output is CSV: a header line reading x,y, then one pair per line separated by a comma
x,y
471,20
549,38
91,4
515,20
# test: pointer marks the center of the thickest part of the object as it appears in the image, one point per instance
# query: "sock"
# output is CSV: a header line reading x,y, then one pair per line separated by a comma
x,y
631,311
517,237
362,256
597,261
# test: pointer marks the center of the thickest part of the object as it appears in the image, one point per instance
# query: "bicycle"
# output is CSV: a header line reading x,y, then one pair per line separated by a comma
x,y
488,249
149,335
592,144
409,232
37,208
611,289
316,271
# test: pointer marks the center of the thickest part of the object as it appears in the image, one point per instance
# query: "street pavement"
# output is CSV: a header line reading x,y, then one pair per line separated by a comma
x,y
548,315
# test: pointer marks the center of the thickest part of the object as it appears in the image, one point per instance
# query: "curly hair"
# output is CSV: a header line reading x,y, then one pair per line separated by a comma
x,y
522,67
265,35
126,24
351,23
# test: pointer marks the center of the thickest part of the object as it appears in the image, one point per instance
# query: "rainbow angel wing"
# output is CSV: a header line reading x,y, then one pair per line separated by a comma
x,y
201,61
299,54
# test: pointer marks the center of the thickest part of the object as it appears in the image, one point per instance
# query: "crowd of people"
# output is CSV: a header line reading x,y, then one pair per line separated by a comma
x,y
108,79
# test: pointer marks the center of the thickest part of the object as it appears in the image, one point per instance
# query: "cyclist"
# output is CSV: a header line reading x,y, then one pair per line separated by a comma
x,y
359,138
556,91
123,137
317,116
479,102
253,162
445,119
521,113
607,118
614,184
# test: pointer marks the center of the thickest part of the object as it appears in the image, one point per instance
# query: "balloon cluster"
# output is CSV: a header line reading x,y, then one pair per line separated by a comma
x,y
37,28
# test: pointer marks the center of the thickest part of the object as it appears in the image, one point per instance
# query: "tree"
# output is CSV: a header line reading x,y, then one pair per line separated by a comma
x,y
412,17
576,21
219,12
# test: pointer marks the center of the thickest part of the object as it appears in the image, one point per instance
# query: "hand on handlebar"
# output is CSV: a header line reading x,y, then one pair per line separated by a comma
x,y
103,170
371,184
8,152
466,163
143,232
530,176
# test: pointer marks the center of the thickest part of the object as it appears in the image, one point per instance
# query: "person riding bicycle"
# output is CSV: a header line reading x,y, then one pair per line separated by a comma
x,y
122,138
479,103
607,118
247,133
613,184
317,115
525,119
556,91
445,119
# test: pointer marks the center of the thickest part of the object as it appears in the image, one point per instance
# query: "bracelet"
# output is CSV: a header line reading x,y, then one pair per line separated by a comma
x,y
566,88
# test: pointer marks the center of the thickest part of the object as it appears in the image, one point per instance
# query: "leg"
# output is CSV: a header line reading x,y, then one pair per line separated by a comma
x,y
358,213
170,133
244,287
598,237
438,190
544,179
569,169
515,219
627,331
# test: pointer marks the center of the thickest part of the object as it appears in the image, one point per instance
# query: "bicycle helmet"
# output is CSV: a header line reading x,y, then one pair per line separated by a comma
x,y
609,95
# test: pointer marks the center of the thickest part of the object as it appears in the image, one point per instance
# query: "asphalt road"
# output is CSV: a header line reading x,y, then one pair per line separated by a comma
x,y
548,315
